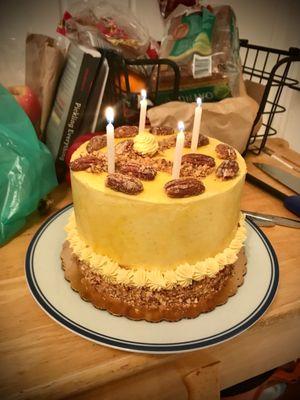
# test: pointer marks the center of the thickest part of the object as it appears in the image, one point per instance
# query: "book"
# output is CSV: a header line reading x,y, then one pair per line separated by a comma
x,y
91,118
70,102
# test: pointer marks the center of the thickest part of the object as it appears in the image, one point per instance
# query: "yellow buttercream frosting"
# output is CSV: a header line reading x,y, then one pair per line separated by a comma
x,y
151,230
183,275
124,276
145,144
140,278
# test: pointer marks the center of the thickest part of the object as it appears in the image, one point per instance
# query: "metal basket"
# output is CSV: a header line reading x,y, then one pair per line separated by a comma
x,y
274,75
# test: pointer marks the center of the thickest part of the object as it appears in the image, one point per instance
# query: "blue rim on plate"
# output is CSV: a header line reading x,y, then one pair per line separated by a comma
x,y
149,347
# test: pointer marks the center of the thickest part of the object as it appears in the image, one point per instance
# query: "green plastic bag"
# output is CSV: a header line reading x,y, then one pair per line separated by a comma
x,y
27,170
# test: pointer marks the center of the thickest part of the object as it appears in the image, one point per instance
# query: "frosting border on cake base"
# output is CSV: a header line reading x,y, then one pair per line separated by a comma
x,y
139,303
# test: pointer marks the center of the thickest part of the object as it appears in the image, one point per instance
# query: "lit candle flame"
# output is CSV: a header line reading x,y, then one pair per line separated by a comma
x,y
199,101
143,94
109,115
181,126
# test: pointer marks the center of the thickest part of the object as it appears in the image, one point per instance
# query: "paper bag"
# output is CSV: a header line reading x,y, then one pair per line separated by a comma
x,y
44,62
229,120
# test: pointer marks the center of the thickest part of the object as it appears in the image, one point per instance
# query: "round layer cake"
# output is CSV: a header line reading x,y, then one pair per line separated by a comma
x,y
141,237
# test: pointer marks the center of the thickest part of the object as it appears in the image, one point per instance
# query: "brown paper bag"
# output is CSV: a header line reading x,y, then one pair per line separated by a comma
x,y
44,62
229,120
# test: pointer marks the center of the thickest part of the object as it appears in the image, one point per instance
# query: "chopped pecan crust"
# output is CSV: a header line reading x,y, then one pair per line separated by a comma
x,y
179,296
200,171
125,147
167,143
202,140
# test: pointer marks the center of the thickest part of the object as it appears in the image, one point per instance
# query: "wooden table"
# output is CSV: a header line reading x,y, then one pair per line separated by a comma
x,y
40,359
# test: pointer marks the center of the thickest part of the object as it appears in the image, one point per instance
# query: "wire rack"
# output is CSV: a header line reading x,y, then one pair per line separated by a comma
x,y
270,67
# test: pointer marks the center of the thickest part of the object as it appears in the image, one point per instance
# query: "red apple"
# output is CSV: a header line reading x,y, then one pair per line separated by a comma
x,y
28,101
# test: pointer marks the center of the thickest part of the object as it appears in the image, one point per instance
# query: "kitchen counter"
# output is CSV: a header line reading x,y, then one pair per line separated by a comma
x,y
42,360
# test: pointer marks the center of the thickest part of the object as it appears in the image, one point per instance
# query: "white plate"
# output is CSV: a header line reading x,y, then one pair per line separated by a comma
x,y
53,293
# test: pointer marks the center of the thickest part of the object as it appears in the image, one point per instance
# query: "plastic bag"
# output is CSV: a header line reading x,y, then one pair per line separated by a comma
x,y
204,42
168,6
99,24
27,169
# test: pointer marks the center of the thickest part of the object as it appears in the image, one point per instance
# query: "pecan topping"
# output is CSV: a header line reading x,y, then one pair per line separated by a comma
x,y
95,164
200,171
161,130
198,160
126,131
96,143
202,140
197,165
123,183
161,164
225,152
228,169
184,187
125,147
141,171
167,143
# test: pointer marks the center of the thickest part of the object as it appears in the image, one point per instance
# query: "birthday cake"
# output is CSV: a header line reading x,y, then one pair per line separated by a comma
x,y
146,245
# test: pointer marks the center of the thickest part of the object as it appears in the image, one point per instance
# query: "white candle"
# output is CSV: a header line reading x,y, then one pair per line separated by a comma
x,y
197,123
110,134
143,110
178,151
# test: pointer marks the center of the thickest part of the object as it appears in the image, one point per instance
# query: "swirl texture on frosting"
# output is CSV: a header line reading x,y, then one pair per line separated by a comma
x,y
145,144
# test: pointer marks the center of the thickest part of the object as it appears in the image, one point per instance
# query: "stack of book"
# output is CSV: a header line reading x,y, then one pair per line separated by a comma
x,y
78,100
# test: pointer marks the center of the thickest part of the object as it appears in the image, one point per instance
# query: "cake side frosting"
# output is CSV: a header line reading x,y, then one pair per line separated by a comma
x,y
151,230
183,275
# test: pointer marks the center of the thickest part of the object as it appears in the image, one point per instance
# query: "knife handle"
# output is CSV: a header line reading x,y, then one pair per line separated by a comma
x,y
292,203
267,188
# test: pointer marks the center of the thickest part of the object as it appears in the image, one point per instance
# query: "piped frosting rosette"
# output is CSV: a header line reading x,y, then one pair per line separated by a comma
x,y
145,144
